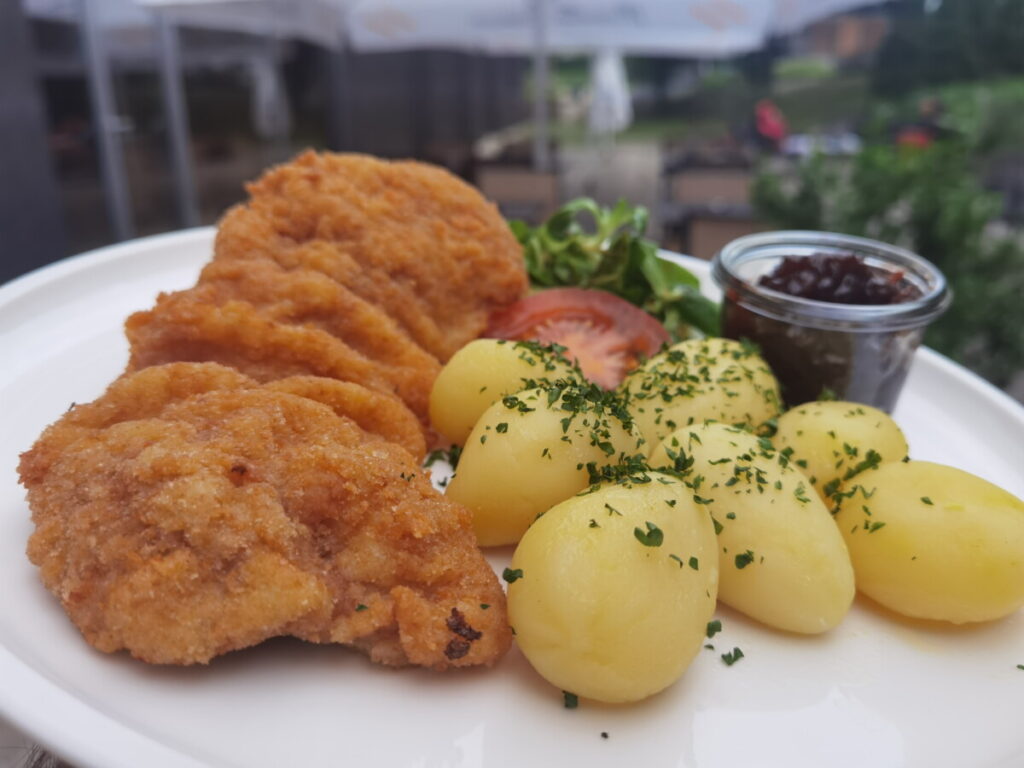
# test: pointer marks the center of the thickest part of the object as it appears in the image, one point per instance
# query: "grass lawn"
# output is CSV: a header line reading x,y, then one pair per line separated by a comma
x,y
652,129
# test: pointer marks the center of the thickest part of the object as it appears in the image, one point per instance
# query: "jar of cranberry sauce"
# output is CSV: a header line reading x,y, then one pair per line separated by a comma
x,y
831,313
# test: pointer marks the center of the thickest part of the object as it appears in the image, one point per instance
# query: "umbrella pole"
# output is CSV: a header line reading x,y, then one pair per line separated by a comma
x,y
541,153
108,136
176,114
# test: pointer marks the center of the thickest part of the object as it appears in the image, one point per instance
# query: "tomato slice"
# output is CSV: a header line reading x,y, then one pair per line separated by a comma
x,y
606,335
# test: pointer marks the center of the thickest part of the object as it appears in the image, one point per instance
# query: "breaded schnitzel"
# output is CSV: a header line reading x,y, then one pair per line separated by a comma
x,y
183,327
408,237
342,266
310,298
189,512
193,326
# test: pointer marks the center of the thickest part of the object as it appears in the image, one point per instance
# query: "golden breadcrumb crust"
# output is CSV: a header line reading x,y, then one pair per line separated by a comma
x,y
189,512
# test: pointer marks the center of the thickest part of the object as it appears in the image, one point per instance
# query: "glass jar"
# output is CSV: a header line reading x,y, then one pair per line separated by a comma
x,y
858,352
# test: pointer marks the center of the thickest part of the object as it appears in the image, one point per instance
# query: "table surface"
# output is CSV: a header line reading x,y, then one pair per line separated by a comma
x,y
14,746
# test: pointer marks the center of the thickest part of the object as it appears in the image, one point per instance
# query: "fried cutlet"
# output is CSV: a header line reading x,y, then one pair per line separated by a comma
x,y
312,300
408,237
184,327
191,325
179,520
374,412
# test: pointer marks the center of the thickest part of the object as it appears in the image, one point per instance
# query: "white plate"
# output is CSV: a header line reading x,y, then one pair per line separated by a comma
x,y
875,692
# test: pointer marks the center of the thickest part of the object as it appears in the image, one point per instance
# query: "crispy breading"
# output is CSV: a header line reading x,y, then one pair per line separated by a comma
x,y
311,298
185,514
184,327
190,326
375,412
144,394
408,237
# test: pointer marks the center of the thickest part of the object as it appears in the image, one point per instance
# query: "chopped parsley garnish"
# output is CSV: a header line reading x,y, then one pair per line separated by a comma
x,y
714,627
732,657
871,461
484,606
875,526
501,428
362,607
801,493
694,563
510,575
745,559
626,471
571,700
653,537
927,501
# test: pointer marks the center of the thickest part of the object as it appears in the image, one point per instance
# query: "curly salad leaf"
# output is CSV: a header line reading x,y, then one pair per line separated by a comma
x,y
612,255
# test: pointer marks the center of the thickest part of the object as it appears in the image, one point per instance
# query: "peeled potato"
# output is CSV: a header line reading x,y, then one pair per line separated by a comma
x,y
483,372
701,380
833,441
602,614
530,451
935,542
782,560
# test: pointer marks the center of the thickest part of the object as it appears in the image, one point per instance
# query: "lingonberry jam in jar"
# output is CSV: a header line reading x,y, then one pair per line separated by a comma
x,y
831,313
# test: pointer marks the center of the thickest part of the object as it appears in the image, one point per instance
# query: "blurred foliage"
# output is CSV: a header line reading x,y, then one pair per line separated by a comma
x,y
954,41
804,68
985,115
724,94
571,73
838,101
928,201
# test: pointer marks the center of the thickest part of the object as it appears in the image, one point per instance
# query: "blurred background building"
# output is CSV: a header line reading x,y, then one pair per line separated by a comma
x,y
900,120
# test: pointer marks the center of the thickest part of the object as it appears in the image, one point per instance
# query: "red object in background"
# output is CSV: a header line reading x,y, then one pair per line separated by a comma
x,y
771,125
606,335
915,136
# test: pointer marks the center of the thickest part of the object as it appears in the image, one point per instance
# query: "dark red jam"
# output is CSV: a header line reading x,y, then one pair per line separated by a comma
x,y
838,280
864,365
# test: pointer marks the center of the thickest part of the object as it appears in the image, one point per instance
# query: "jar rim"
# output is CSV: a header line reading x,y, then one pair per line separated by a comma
x,y
770,247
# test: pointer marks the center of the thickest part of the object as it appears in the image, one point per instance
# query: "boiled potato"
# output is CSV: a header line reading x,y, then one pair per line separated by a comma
x,y
935,542
782,560
701,380
833,441
483,372
616,589
530,451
